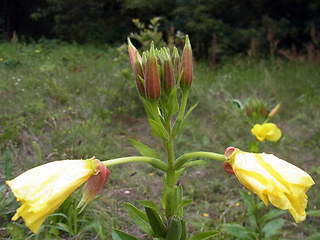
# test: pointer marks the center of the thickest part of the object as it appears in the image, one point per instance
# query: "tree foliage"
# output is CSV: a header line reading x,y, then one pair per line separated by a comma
x,y
234,23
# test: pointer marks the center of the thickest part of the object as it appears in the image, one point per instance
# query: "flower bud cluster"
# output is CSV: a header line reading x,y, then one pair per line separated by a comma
x,y
256,109
159,71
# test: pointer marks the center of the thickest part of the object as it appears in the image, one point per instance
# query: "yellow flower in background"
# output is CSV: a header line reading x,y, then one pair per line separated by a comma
x,y
268,131
272,179
43,189
37,51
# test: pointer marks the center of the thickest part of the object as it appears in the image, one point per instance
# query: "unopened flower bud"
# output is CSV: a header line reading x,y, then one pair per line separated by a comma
x,y
176,62
274,111
152,79
132,52
138,74
248,111
168,74
186,65
263,111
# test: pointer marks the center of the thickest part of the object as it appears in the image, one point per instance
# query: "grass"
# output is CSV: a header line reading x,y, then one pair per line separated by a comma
x,y
61,101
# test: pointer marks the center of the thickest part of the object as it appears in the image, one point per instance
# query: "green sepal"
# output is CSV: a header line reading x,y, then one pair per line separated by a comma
x,y
150,204
158,130
140,218
156,223
144,150
119,235
174,229
204,235
238,231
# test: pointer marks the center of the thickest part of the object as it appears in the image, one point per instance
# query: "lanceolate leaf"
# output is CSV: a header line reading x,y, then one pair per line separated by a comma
x,y
173,105
238,231
158,129
273,228
270,215
144,150
140,218
150,204
204,235
119,235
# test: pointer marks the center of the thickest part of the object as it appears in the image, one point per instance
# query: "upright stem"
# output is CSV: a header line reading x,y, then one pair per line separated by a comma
x,y
170,178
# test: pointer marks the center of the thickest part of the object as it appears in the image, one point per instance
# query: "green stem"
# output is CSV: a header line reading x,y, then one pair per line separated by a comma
x,y
170,178
153,161
186,157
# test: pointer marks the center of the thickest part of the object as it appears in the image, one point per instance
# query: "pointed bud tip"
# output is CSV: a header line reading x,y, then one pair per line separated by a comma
x,y
187,43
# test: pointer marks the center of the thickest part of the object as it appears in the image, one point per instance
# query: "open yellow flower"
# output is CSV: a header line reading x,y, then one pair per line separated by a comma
x,y
272,179
43,189
268,131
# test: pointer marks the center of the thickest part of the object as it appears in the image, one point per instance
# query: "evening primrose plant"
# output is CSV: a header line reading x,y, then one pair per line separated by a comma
x,y
163,80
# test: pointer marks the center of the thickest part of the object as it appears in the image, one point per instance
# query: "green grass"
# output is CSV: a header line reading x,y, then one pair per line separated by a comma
x,y
71,102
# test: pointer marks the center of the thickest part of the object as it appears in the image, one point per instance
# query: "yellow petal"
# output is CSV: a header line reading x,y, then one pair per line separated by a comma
x,y
43,189
274,180
268,131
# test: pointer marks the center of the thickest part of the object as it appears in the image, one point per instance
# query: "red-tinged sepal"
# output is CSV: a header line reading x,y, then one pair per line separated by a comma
x,y
227,168
229,153
94,184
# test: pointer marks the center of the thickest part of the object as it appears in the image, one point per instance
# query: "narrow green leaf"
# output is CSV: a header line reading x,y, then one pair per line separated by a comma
x,y
140,218
158,226
173,105
147,107
37,150
238,231
119,235
7,165
313,213
251,207
315,236
150,204
183,123
270,215
273,228
204,235
144,150
158,130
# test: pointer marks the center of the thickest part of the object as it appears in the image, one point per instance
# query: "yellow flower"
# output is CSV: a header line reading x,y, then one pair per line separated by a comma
x,y
272,179
268,131
43,189
37,51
